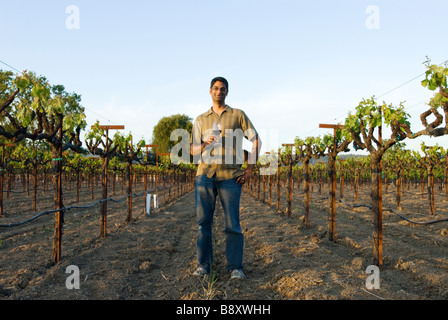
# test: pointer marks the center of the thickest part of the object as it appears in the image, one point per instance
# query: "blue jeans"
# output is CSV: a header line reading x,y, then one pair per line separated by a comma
x,y
229,192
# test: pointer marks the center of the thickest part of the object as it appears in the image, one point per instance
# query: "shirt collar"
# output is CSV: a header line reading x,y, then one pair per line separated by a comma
x,y
228,108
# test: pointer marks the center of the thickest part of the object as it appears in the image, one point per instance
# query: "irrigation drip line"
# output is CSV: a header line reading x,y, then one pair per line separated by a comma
x,y
14,191
355,205
397,213
415,222
30,219
69,208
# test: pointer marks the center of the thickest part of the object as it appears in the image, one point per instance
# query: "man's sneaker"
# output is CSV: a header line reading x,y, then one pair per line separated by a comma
x,y
237,274
200,271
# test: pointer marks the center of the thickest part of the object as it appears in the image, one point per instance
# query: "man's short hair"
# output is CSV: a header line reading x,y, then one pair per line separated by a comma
x,y
223,80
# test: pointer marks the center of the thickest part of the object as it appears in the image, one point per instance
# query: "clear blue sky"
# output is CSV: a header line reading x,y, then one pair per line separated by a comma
x,y
291,64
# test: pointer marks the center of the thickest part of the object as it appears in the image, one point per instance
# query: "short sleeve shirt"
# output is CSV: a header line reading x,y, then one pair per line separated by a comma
x,y
225,157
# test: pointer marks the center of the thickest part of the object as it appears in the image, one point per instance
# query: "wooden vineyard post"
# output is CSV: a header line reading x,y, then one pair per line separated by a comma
x,y
378,215
146,173
307,194
35,179
57,179
445,178
289,177
157,172
278,182
176,178
422,180
332,177
169,179
432,205
59,213
78,179
129,199
92,166
270,183
431,188
430,162
172,188
342,178
103,232
264,189
164,178
2,173
398,182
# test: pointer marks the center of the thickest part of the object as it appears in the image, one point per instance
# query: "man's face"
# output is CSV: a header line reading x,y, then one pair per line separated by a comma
x,y
218,91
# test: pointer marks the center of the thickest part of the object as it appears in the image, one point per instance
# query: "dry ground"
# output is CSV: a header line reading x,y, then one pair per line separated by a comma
x,y
153,256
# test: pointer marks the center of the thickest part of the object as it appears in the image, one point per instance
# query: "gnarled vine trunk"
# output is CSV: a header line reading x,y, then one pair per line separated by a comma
x,y
331,196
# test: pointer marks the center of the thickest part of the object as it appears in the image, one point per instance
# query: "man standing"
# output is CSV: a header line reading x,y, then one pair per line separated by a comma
x,y
219,173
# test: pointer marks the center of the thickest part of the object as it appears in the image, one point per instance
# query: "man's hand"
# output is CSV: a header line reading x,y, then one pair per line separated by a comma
x,y
256,145
195,150
211,139
245,176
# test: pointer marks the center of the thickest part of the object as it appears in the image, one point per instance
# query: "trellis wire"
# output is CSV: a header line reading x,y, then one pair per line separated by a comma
x,y
70,208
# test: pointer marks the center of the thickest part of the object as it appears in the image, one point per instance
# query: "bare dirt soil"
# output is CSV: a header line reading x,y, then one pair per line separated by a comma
x,y
153,256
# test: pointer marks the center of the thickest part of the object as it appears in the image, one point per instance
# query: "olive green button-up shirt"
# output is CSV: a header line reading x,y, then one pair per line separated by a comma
x,y
225,157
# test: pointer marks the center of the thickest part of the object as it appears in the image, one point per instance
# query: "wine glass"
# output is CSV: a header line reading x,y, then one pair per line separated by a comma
x,y
217,129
